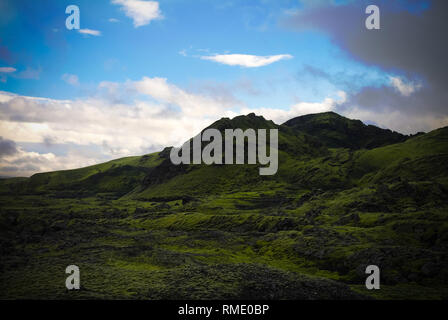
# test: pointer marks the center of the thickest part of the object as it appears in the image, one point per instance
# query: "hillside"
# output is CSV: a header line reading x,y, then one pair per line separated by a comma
x,y
346,195
336,131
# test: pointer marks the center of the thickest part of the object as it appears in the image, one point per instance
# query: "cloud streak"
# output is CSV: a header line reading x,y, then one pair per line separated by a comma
x,y
7,69
246,60
90,32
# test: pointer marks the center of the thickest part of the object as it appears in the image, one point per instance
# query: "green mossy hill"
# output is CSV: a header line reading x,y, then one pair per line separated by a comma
x,y
114,178
250,121
336,131
346,195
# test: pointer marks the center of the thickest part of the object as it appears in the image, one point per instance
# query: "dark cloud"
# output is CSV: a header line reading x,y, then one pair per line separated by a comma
x,y
411,43
415,42
7,147
48,141
385,98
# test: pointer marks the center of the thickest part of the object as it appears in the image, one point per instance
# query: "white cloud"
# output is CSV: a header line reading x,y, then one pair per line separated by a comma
x,y
71,79
406,89
24,163
113,20
192,104
7,69
246,60
140,11
158,114
90,32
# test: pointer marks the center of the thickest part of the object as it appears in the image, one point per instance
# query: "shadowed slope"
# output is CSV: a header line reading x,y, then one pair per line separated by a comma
x,y
336,131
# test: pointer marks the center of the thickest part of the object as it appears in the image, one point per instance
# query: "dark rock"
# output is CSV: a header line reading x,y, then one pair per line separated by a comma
x,y
352,218
430,269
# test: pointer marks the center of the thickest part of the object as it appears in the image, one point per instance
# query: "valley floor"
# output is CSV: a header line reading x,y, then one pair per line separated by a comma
x,y
244,245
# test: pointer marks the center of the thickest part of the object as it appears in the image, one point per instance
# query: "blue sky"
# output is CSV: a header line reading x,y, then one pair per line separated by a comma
x,y
37,36
185,62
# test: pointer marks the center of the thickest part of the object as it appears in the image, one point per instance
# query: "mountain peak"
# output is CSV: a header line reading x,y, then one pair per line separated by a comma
x,y
337,131
317,117
249,121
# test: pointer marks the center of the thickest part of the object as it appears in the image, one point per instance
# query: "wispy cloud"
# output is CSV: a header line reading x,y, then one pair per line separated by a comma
x,y
90,32
7,69
113,20
140,11
246,60
406,89
29,73
71,79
